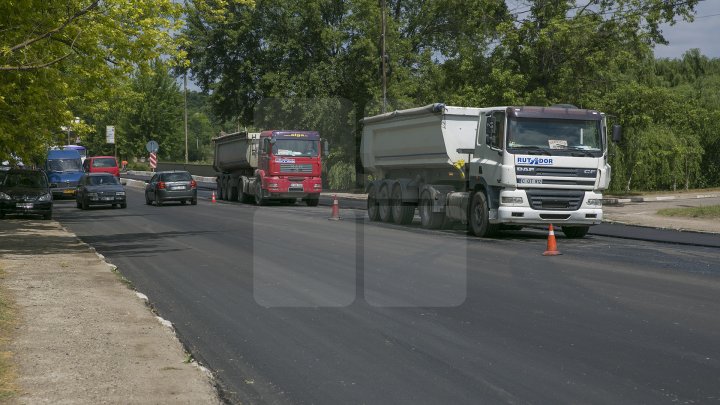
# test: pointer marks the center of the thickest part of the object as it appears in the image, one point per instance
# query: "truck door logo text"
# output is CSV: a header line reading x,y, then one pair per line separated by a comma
x,y
533,160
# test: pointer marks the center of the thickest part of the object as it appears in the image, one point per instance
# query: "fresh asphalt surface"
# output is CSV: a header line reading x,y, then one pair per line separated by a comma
x,y
286,306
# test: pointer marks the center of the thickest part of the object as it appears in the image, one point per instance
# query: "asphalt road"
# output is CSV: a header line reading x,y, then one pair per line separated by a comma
x,y
286,306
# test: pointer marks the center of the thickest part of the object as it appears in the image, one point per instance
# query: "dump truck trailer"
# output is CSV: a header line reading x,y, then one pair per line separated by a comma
x,y
490,168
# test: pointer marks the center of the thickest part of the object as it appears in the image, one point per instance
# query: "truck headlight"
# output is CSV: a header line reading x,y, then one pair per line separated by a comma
x,y
511,200
317,186
45,197
594,202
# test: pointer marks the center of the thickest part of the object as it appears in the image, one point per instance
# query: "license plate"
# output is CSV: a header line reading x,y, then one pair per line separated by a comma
x,y
69,192
293,185
177,188
107,198
26,206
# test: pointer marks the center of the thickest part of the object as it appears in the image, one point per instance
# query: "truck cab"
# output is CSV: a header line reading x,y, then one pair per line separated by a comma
x,y
289,166
542,164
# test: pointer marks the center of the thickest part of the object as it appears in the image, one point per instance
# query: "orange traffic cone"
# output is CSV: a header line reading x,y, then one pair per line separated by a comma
x,y
335,209
551,244
213,197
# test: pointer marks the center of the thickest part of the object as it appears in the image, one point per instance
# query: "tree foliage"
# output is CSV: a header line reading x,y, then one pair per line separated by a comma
x,y
56,55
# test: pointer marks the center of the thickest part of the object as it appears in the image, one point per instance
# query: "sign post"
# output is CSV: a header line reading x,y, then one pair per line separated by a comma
x,y
110,137
152,147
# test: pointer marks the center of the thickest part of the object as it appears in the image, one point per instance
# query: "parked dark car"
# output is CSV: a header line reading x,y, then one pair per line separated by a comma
x,y
25,192
171,186
100,189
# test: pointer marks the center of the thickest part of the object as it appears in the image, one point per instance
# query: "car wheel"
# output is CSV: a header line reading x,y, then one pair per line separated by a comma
x,y
85,204
193,201
158,201
77,204
123,205
2,215
47,216
147,199
183,202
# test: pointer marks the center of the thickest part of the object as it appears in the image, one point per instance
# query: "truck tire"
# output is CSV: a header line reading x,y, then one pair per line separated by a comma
x,y
402,213
373,209
575,232
479,223
312,201
384,208
219,188
428,218
233,193
259,199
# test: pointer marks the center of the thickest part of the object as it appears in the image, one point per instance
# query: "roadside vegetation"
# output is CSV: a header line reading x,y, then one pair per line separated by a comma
x,y
708,212
318,65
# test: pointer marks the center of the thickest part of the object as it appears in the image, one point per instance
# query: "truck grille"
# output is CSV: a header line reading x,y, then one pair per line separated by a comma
x,y
555,200
293,168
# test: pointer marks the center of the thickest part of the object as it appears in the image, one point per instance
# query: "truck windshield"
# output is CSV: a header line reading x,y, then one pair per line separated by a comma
x,y
295,147
65,165
554,134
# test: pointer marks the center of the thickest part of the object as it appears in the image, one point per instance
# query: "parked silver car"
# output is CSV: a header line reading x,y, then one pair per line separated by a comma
x,y
171,186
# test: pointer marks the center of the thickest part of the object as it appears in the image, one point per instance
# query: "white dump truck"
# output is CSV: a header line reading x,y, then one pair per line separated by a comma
x,y
490,168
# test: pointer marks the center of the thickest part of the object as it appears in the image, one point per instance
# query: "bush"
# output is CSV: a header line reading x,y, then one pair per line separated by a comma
x,y
341,176
139,166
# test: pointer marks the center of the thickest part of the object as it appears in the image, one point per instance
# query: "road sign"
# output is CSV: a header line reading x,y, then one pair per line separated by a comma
x,y
110,134
153,160
152,147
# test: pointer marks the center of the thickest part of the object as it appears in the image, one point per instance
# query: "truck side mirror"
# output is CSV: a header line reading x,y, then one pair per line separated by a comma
x,y
326,148
616,133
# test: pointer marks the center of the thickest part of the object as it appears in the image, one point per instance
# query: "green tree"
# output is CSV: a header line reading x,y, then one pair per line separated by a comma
x,y
56,54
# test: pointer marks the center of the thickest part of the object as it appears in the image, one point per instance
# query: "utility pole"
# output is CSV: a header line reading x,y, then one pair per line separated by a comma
x,y
186,125
384,57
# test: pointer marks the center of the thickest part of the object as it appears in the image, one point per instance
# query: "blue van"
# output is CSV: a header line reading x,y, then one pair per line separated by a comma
x,y
64,169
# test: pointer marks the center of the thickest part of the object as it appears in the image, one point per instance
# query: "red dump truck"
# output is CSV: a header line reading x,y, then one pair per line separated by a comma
x,y
279,165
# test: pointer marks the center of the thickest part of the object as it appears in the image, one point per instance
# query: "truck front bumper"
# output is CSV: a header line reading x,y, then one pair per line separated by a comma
x,y
281,188
520,213
529,216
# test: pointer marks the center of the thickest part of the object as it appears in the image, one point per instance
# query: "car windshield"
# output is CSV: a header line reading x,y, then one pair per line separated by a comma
x,y
101,180
176,177
295,147
64,165
104,162
29,180
554,134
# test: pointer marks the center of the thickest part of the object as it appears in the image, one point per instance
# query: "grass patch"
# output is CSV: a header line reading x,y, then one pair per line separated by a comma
x,y
8,320
709,211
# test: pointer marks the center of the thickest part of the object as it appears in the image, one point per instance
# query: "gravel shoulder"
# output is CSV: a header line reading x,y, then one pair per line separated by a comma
x,y
82,335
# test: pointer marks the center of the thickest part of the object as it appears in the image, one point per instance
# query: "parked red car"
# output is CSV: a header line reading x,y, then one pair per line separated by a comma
x,y
101,164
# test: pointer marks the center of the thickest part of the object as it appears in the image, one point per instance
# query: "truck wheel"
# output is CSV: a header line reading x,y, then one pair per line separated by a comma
x,y
219,189
402,213
479,222
575,232
233,193
259,199
384,204
312,201
372,205
428,218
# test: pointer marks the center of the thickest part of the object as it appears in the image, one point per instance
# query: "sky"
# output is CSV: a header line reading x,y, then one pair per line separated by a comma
x,y
703,33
